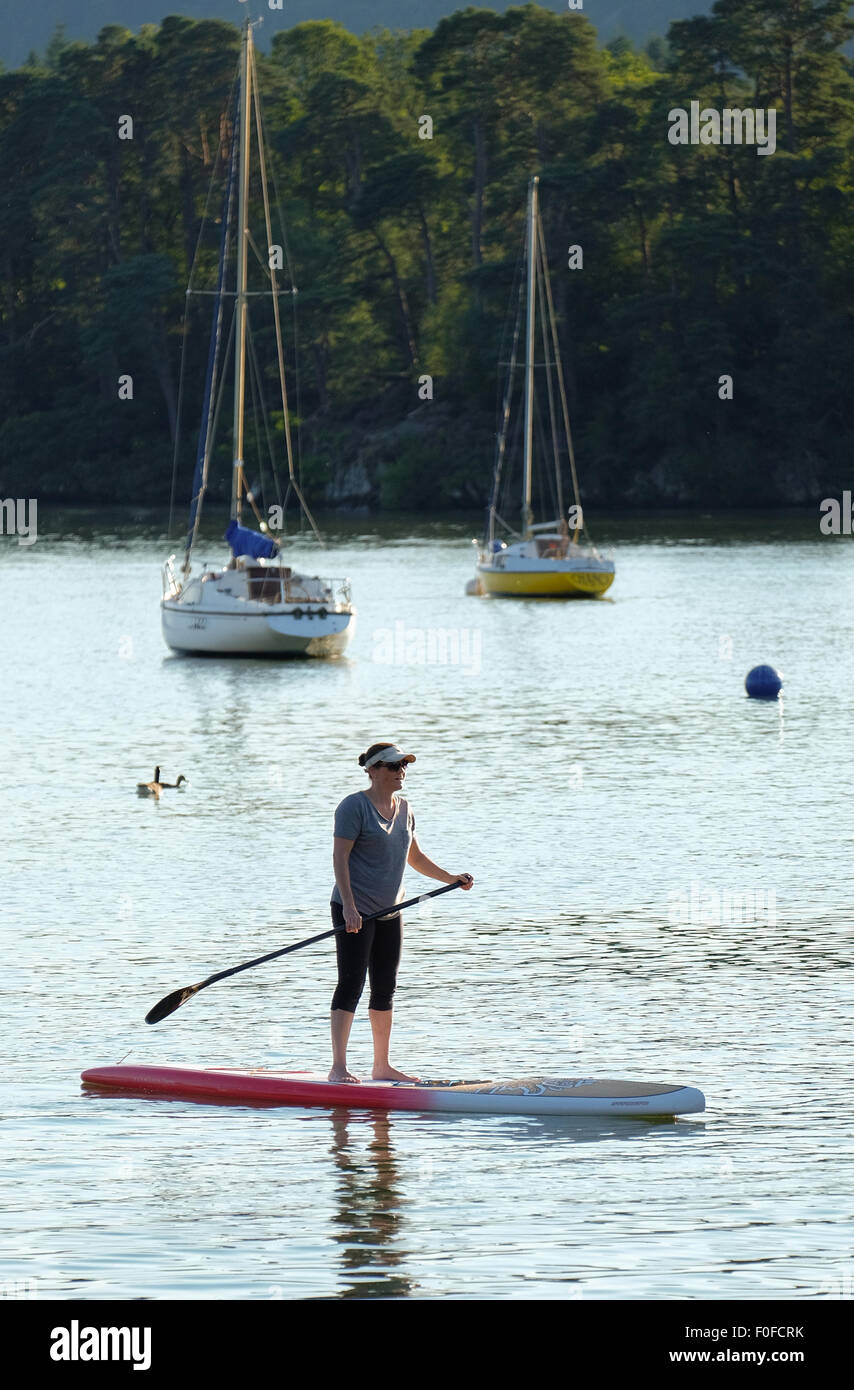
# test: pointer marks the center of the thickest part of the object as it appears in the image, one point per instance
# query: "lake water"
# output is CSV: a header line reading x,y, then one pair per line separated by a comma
x,y
623,807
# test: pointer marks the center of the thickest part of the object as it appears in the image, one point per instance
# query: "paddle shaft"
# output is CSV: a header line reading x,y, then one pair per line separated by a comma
x,y
309,941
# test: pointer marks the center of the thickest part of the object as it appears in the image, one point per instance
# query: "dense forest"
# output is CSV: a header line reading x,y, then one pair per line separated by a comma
x,y
700,261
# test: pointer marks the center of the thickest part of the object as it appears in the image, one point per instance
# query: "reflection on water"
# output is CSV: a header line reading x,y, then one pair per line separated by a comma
x,y
367,1223
661,894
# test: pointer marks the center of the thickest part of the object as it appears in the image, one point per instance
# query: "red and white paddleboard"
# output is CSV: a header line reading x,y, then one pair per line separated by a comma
x,y
531,1095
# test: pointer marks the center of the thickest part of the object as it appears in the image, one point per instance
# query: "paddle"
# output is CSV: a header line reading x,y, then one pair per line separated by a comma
x,y
178,997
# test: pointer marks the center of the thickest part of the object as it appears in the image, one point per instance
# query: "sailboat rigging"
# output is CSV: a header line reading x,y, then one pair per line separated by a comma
x,y
553,558
253,604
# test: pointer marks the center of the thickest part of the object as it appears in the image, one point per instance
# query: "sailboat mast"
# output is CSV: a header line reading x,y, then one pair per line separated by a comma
x,y
527,484
242,256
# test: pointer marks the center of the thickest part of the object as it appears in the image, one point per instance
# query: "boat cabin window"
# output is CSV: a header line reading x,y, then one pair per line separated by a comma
x,y
551,547
265,582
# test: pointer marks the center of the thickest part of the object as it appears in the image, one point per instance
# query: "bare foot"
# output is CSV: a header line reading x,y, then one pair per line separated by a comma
x,y
342,1074
391,1074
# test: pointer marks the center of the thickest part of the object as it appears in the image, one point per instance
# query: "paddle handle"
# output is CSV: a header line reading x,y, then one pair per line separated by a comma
x,y
410,902
322,936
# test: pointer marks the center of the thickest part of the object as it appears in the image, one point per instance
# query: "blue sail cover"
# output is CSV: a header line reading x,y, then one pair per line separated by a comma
x,y
243,541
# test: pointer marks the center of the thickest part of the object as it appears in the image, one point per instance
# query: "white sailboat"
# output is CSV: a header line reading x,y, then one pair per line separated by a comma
x,y
552,558
253,604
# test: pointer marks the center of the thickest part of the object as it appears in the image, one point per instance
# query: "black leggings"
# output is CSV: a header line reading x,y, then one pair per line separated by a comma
x,y
375,950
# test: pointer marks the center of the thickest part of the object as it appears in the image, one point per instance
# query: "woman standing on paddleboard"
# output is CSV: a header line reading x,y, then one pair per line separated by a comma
x,y
374,841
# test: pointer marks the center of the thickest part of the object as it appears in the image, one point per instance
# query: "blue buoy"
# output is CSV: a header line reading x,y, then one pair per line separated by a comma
x,y
763,683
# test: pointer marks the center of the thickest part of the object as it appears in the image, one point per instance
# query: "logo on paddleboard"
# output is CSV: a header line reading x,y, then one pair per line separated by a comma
x,y
539,1086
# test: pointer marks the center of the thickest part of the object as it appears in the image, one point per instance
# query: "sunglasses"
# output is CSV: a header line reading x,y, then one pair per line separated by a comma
x,y
395,767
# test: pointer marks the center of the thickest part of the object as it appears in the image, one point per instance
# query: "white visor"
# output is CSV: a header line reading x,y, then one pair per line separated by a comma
x,y
391,755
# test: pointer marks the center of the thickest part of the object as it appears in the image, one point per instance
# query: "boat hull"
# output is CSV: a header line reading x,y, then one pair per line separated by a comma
x,y
527,1096
545,583
281,634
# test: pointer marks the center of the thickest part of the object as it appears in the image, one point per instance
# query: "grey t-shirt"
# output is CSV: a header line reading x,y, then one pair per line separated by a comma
x,y
380,850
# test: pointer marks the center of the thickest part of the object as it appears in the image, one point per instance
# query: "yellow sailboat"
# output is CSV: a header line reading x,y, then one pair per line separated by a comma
x,y
555,558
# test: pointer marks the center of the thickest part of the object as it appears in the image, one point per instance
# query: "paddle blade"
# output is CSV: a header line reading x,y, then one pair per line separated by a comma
x,y
168,1005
